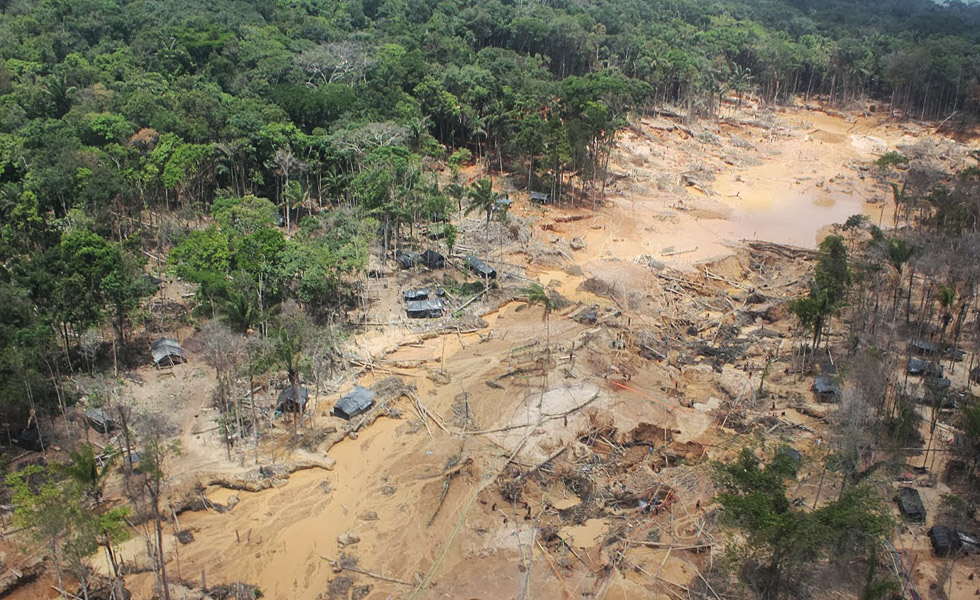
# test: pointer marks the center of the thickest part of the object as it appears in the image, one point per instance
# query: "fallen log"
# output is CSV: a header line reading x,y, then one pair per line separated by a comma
x,y
354,569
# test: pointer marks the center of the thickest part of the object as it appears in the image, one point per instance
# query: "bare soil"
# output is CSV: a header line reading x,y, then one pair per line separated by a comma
x,y
554,455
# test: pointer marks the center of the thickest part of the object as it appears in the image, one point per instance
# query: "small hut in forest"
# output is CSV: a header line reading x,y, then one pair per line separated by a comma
x,y
433,259
416,294
481,268
406,258
826,389
100,420
167,351
293,399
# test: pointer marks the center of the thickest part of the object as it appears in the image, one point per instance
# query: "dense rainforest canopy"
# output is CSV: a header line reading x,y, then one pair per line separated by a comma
x,y
126,123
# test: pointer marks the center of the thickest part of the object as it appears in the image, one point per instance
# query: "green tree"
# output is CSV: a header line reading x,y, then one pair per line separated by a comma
x,y
201,251
779,540
87,472
828,289
50,502
482,199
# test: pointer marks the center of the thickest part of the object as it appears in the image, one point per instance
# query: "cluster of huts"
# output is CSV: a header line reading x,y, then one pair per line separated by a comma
x,y
423,303
419,304
430,258
294,398
946,541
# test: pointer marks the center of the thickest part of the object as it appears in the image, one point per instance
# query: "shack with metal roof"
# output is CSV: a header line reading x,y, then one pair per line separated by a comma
x,y
293,399
910,504
826,389
917,366
416,294
945,541
481,268
356,402
924,347
433,259
426,309
167,351
406,258
100,420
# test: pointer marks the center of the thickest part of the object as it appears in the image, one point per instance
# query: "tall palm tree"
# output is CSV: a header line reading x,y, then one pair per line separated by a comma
x,y
535,294
482,199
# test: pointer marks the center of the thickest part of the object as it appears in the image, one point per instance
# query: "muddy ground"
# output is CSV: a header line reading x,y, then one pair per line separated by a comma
x,y
519,453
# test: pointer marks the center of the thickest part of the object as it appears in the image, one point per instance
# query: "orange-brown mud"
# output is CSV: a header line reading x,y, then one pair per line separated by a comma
x,y
555,455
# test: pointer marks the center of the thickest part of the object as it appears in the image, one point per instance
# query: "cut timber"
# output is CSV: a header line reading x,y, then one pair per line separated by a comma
x,y
571,218
22,575
678,252
354,569
784,250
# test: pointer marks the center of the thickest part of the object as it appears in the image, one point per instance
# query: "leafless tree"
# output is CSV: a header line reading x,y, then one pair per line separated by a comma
x,y
366,138
225,350
334,62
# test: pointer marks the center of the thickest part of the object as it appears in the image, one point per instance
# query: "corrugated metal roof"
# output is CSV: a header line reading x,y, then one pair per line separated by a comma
x,y
166,347
406,259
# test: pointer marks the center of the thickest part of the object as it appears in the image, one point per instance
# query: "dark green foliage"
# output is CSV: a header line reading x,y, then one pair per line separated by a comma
x,y
891,159
828,289
781,540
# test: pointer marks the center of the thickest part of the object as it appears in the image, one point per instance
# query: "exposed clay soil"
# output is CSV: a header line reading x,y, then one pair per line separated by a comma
x,y
561,454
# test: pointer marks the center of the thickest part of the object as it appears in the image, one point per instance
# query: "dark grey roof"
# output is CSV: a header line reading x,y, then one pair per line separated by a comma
x,y
917,366
433,259
540,197
924,346
166,347
418,294
945,541
588,316
910,504
480,268
426,309
955,353
293,396
354,403
406,258
826,386
100,420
